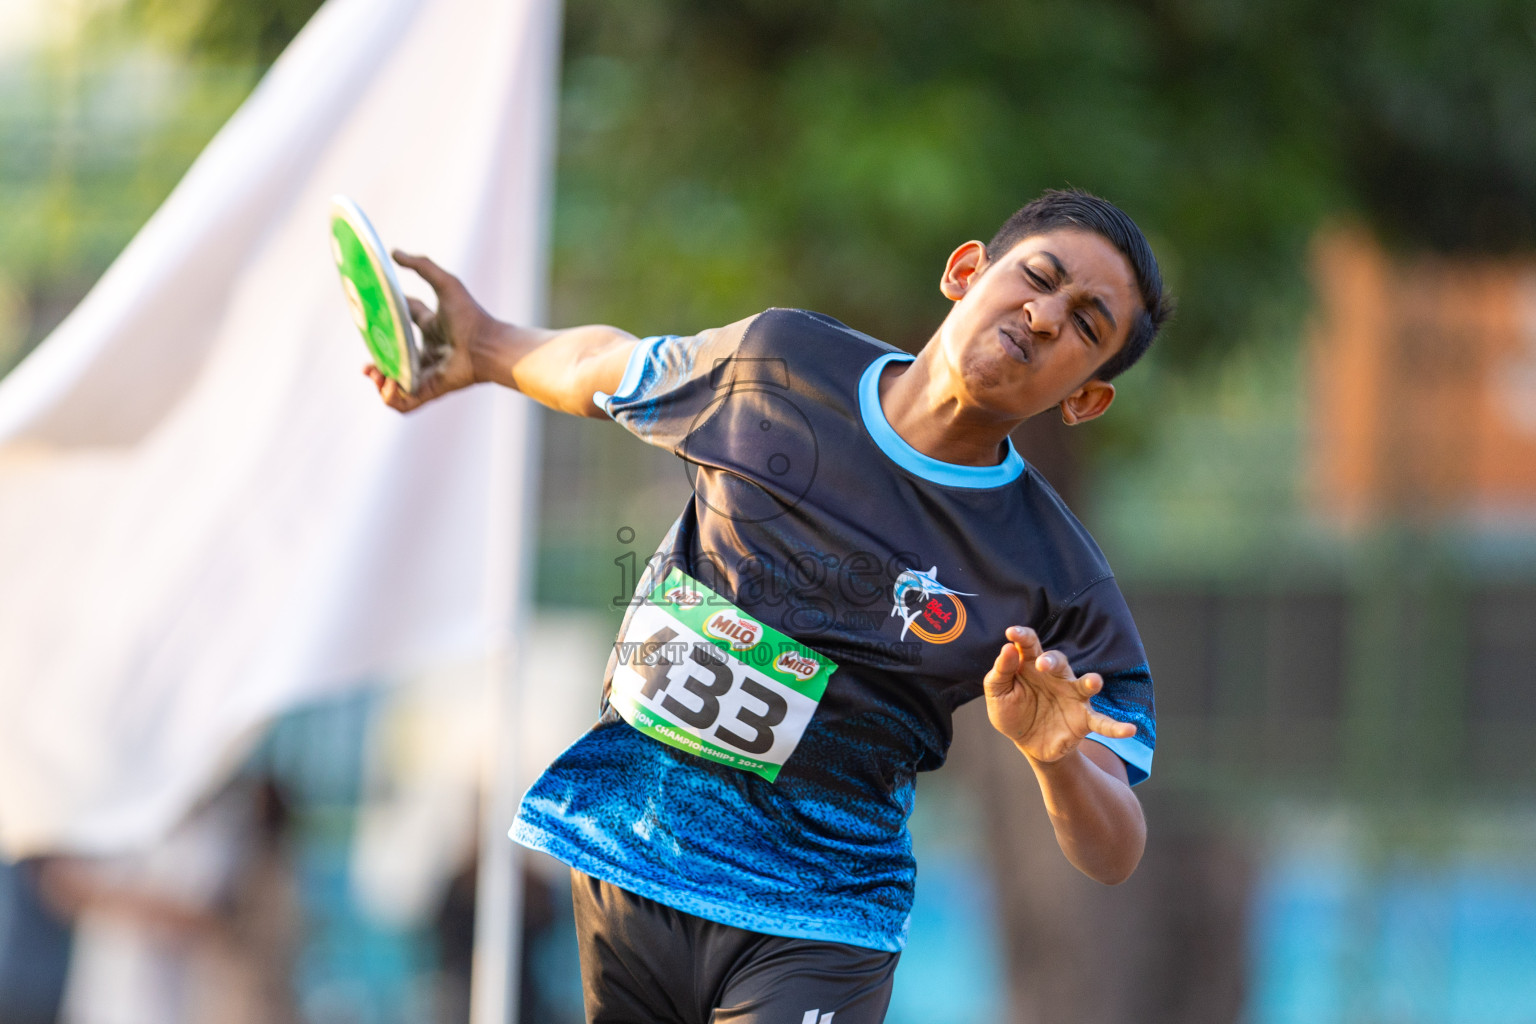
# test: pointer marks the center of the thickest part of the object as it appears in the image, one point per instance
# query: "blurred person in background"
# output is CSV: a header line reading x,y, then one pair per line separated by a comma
x,y
34,948
203,927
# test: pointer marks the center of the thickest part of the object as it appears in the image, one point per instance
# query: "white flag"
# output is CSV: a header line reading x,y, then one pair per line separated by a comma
x,y
206,515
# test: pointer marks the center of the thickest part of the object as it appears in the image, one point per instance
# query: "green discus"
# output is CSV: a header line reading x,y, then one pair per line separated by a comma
x,y
373,293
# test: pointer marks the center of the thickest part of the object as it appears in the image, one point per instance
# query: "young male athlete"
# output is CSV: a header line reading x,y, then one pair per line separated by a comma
x,y
861,539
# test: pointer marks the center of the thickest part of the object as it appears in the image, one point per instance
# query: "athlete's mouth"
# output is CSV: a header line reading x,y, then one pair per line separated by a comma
x,y
1016,343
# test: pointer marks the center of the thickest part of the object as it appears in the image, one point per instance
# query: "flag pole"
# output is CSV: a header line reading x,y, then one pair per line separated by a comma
x,y
495,979
495,982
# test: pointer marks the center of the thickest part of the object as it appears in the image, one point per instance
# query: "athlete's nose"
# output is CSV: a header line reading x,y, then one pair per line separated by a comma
x,y
1044,314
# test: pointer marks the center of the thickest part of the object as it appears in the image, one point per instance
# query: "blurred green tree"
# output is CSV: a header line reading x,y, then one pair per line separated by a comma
x,y
233,31
96,128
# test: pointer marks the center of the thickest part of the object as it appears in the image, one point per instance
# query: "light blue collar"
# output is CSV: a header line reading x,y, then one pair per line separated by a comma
x,y
913,461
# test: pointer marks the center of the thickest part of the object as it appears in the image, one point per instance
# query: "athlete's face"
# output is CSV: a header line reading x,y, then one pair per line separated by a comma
x,y
1029,329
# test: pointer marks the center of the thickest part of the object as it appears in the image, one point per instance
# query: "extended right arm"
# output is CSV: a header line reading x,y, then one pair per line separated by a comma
x,y
463,344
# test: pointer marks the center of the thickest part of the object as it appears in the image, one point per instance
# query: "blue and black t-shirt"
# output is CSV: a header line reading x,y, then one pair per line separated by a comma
x,y
812,515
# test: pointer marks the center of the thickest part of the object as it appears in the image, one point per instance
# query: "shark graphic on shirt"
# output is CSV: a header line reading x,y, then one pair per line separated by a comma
x,y
925,585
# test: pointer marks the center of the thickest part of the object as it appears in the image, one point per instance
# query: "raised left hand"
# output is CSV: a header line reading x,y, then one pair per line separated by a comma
x,y
1035,699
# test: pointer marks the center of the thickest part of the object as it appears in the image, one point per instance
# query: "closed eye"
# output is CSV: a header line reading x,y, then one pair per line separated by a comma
x,y
1086,327
1038,281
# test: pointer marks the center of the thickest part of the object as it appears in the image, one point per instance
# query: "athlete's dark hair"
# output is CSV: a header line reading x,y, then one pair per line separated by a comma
x,y
1074,208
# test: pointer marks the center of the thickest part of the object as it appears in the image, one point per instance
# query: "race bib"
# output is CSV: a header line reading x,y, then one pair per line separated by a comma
x,y
698,674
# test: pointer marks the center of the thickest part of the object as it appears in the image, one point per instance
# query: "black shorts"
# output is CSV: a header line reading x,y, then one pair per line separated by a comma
x,y
646,963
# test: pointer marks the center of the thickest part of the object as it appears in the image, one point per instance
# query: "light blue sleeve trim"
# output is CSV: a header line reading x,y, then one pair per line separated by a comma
x,y
915,462
634,370
1136,755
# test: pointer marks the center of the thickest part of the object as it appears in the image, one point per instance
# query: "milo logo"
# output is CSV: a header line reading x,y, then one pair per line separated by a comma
x,y
741,633
683,597
797,665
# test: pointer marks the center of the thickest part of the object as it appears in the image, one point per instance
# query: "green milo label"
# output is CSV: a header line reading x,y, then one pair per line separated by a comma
x,y
699,674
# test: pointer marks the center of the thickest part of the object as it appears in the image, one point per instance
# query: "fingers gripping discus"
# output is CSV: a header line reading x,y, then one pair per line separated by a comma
x,y
373,293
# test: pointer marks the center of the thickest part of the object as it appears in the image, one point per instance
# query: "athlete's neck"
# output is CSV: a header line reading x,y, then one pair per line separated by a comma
x,y
927,411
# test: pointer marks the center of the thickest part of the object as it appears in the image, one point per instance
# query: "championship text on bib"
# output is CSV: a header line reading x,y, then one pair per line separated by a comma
x,y
698,674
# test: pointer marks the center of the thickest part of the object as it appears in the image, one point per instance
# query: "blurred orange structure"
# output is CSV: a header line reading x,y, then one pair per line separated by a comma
x,y
1422,385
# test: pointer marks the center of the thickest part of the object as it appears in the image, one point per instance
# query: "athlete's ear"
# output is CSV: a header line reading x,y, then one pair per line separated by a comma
x,y
960,272
1088,402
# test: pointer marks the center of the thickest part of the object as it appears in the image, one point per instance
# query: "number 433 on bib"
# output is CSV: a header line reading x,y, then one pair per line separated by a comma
x,y
698,674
